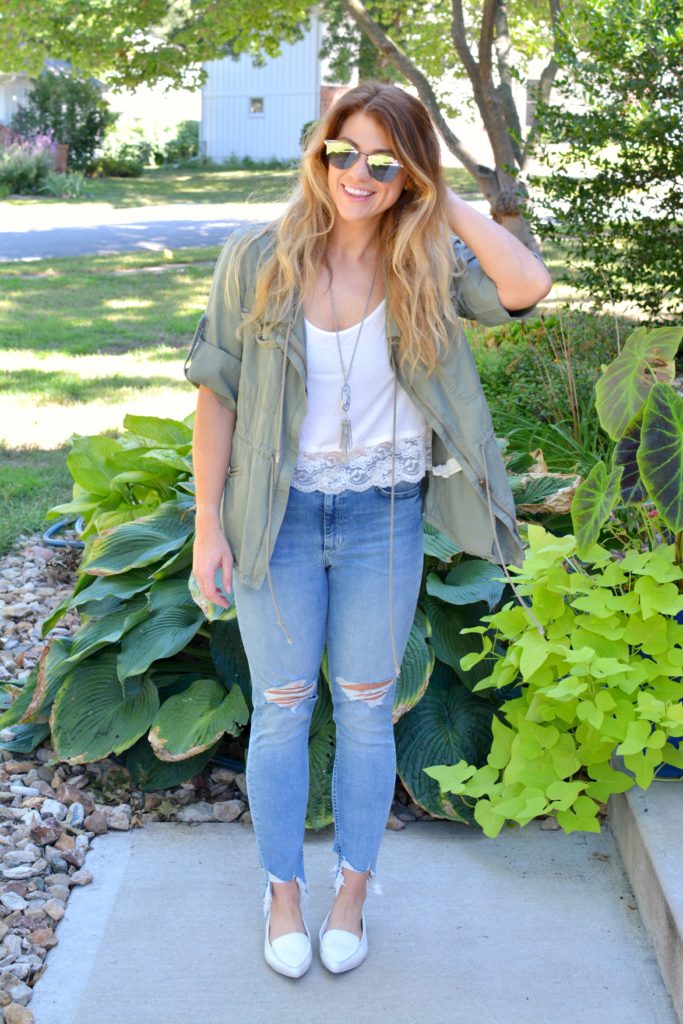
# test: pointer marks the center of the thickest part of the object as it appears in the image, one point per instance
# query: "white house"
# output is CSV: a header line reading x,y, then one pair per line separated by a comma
x,y
14,88
259,111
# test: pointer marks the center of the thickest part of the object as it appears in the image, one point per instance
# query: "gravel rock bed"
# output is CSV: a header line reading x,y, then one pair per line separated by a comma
x,y
49,816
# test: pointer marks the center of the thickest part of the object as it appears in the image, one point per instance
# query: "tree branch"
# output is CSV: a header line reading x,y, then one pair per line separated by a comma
x,y
459,35
545,84
357,10
501,41
488,21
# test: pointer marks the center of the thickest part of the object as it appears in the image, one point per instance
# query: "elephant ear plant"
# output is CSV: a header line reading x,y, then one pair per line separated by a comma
x,y
597,651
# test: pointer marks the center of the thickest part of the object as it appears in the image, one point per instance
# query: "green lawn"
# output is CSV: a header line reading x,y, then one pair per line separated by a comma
x,y
86,340
162,185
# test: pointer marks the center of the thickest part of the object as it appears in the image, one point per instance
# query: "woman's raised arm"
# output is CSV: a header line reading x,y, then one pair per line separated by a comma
x,y
521,278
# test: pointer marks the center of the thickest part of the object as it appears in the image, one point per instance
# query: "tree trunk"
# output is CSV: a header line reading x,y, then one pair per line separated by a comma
x,y
505,194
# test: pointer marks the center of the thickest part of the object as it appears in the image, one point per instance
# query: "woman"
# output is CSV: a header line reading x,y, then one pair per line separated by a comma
x,y
333,376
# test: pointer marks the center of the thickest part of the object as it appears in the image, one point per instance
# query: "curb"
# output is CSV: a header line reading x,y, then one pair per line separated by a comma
x,y
648,828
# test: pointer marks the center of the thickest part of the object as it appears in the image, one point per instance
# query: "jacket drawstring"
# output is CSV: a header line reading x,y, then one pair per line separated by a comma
x,y
275,457
397,667
526,608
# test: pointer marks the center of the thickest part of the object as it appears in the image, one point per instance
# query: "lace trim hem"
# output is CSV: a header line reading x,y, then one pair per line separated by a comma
x,y
366,467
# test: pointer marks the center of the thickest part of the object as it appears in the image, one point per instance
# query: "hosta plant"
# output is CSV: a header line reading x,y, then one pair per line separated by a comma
x,y
599,661
148,676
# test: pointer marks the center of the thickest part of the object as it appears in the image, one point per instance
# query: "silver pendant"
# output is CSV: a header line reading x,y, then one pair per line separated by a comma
x,y
345,438
346,397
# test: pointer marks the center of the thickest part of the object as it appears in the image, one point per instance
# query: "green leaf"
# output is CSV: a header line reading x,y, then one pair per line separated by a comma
x,y
321,753
161,635
161,431
95,715
592,503
647,357
660,455
192,721
456,639
469,582
417,665
448,725
437,544
139,543
87,462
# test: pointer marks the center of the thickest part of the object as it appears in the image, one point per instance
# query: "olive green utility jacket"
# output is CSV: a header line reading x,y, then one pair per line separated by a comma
x,y
262,377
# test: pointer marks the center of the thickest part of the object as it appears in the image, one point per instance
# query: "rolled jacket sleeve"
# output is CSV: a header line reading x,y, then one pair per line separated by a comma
x,y
476,295
215,356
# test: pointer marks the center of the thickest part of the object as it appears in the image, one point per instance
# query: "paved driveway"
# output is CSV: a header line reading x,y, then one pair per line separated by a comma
x,y
38,231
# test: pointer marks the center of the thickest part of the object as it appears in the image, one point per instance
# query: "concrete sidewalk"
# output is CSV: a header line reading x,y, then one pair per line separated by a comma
x,y
534,927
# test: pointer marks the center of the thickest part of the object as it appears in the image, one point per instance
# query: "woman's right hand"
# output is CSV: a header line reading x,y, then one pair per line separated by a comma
x,y
211,551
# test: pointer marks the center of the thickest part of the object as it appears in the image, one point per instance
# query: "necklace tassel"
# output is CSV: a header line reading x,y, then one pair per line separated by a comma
x,y
345,437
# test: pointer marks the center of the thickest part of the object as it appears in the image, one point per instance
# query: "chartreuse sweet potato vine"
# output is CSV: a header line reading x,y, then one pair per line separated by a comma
x,y
603,677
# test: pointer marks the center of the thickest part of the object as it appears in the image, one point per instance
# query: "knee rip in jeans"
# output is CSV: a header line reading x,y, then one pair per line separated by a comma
x,y
369,693
291,694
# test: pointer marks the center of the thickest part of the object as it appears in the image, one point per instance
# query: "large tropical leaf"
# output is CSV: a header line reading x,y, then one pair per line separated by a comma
x,y
229,656
448,724
321,752
122,586
26,738
149,773
435,543
161,431
450,643
416,666
139,543
192,721
625,454
468,582
87,462
102,632
647,357
94,714
592,504
162,634
660,456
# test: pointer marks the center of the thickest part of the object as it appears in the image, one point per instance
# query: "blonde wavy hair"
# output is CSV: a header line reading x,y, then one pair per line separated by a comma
x,y
419,260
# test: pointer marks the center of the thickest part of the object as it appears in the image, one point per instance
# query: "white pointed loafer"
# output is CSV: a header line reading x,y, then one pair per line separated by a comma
x,y
341,950
289,954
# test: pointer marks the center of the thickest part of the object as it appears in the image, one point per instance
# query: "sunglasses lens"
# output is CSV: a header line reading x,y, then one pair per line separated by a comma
x,y
341,154
382,166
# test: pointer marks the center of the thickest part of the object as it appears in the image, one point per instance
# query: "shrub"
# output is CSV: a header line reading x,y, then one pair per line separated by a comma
x,y
25,166
71,109
128,142
115,167
614,188
184,144
539,377
67,186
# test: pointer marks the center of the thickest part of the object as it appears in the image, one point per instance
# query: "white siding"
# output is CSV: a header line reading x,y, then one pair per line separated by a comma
x,y
13,91
290,88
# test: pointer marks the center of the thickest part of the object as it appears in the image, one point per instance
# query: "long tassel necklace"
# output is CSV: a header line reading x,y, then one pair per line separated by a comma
x,y
345,438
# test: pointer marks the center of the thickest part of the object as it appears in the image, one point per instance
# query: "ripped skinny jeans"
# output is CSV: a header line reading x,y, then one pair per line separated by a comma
x,y
330,575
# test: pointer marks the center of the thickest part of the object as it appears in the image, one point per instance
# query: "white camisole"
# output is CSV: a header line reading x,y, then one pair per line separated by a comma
x,y
320,464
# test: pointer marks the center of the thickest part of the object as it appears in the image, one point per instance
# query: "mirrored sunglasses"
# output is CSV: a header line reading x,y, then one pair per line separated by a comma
x,y
342,155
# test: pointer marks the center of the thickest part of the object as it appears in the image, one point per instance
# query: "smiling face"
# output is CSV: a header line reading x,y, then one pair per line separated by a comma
x,y
356,195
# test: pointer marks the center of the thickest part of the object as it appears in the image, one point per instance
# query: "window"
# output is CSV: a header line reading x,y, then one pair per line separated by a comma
x,y
256,105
